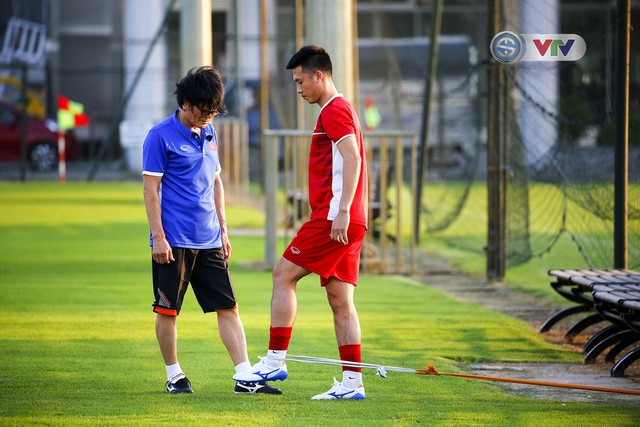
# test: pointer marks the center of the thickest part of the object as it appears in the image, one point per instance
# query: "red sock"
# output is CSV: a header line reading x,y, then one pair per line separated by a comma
x,y
351,353
279,338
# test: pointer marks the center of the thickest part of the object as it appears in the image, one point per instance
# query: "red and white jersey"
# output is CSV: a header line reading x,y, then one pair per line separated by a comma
x,y
337,120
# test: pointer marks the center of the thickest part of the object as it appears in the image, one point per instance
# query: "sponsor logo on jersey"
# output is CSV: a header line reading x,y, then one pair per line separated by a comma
x,y
213,146
185,147
295,250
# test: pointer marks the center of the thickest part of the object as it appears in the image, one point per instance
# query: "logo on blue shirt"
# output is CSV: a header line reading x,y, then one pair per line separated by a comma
x,y
185,147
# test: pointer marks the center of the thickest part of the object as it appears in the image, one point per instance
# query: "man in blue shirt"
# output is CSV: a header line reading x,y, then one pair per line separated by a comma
x,y
184,201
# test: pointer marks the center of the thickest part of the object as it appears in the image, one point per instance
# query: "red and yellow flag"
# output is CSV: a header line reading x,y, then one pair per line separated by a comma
x,y
70,114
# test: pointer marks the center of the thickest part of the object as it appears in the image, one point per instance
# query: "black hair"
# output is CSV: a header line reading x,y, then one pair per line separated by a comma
x,y
312,58
202,87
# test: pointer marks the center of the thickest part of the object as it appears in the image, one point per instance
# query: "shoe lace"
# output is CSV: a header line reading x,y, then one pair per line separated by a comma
x,y
336,384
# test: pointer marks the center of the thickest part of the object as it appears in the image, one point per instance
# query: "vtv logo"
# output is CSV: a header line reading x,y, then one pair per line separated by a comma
x,y
553,47
543,46
508,47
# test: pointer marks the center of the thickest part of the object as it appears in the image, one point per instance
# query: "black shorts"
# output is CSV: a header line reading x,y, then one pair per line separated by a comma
x,y
208,272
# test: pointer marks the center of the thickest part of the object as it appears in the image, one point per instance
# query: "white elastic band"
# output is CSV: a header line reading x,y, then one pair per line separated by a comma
x,y
380,370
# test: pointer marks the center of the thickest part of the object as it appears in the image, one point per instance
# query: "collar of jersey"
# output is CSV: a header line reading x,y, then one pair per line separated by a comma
x,y
337,95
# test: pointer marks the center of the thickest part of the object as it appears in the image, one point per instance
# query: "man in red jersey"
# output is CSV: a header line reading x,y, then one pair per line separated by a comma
x,y
329,243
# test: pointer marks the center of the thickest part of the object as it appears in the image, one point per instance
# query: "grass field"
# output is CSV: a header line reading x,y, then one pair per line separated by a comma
x,y
77,344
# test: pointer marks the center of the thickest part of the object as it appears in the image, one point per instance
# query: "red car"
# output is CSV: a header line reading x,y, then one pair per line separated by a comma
x,y
42,140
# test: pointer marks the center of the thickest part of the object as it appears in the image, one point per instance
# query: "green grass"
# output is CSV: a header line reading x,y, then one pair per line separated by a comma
x,y
77,344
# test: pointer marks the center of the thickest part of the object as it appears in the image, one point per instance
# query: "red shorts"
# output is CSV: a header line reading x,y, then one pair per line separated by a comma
x,y
312,248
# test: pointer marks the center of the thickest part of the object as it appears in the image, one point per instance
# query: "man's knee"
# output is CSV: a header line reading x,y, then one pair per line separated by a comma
x,y
279,273
339,295
286,274
166,319
340,302
228,313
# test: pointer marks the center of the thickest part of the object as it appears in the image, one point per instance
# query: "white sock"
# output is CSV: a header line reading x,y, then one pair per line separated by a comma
x,y
244,366
275,358
174,372
351,379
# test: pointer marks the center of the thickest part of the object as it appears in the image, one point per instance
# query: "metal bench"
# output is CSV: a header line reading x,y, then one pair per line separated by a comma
x,y
611,296
577,286
621,306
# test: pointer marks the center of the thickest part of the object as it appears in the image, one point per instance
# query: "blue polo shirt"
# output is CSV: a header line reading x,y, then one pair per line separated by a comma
x,y
187,164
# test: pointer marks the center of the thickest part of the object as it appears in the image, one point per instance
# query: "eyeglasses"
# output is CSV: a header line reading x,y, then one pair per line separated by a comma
x,y
207,113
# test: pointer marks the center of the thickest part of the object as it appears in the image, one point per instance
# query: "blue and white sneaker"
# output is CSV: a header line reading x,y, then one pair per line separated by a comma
x,y
338,391
262,371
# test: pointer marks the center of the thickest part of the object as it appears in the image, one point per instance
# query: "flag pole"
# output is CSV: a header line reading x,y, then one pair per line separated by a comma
x,y
62,157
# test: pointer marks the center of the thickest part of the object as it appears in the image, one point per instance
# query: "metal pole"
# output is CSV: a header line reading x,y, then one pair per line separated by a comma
x,y
269,146
432,66
196,43
329,23
495,157
384,161
299,36
355,56
621,174
264,66
264,73
270,189
23,122
399,211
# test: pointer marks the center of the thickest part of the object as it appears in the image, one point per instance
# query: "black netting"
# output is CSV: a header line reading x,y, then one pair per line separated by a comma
x,y
560,156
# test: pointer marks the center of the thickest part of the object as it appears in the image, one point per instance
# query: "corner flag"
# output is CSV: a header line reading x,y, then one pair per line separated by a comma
x,y
372,117
70,115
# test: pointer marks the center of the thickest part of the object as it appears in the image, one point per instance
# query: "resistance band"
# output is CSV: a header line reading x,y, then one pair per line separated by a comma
x,y
431,370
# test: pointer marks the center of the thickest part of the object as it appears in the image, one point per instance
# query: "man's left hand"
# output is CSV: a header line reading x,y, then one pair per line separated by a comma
x,y
226,246
339,227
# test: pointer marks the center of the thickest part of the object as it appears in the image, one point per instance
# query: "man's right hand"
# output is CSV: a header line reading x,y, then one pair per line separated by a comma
x,y
162,253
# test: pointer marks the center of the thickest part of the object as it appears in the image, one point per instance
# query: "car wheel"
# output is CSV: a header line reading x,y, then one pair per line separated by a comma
x,y
43,157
